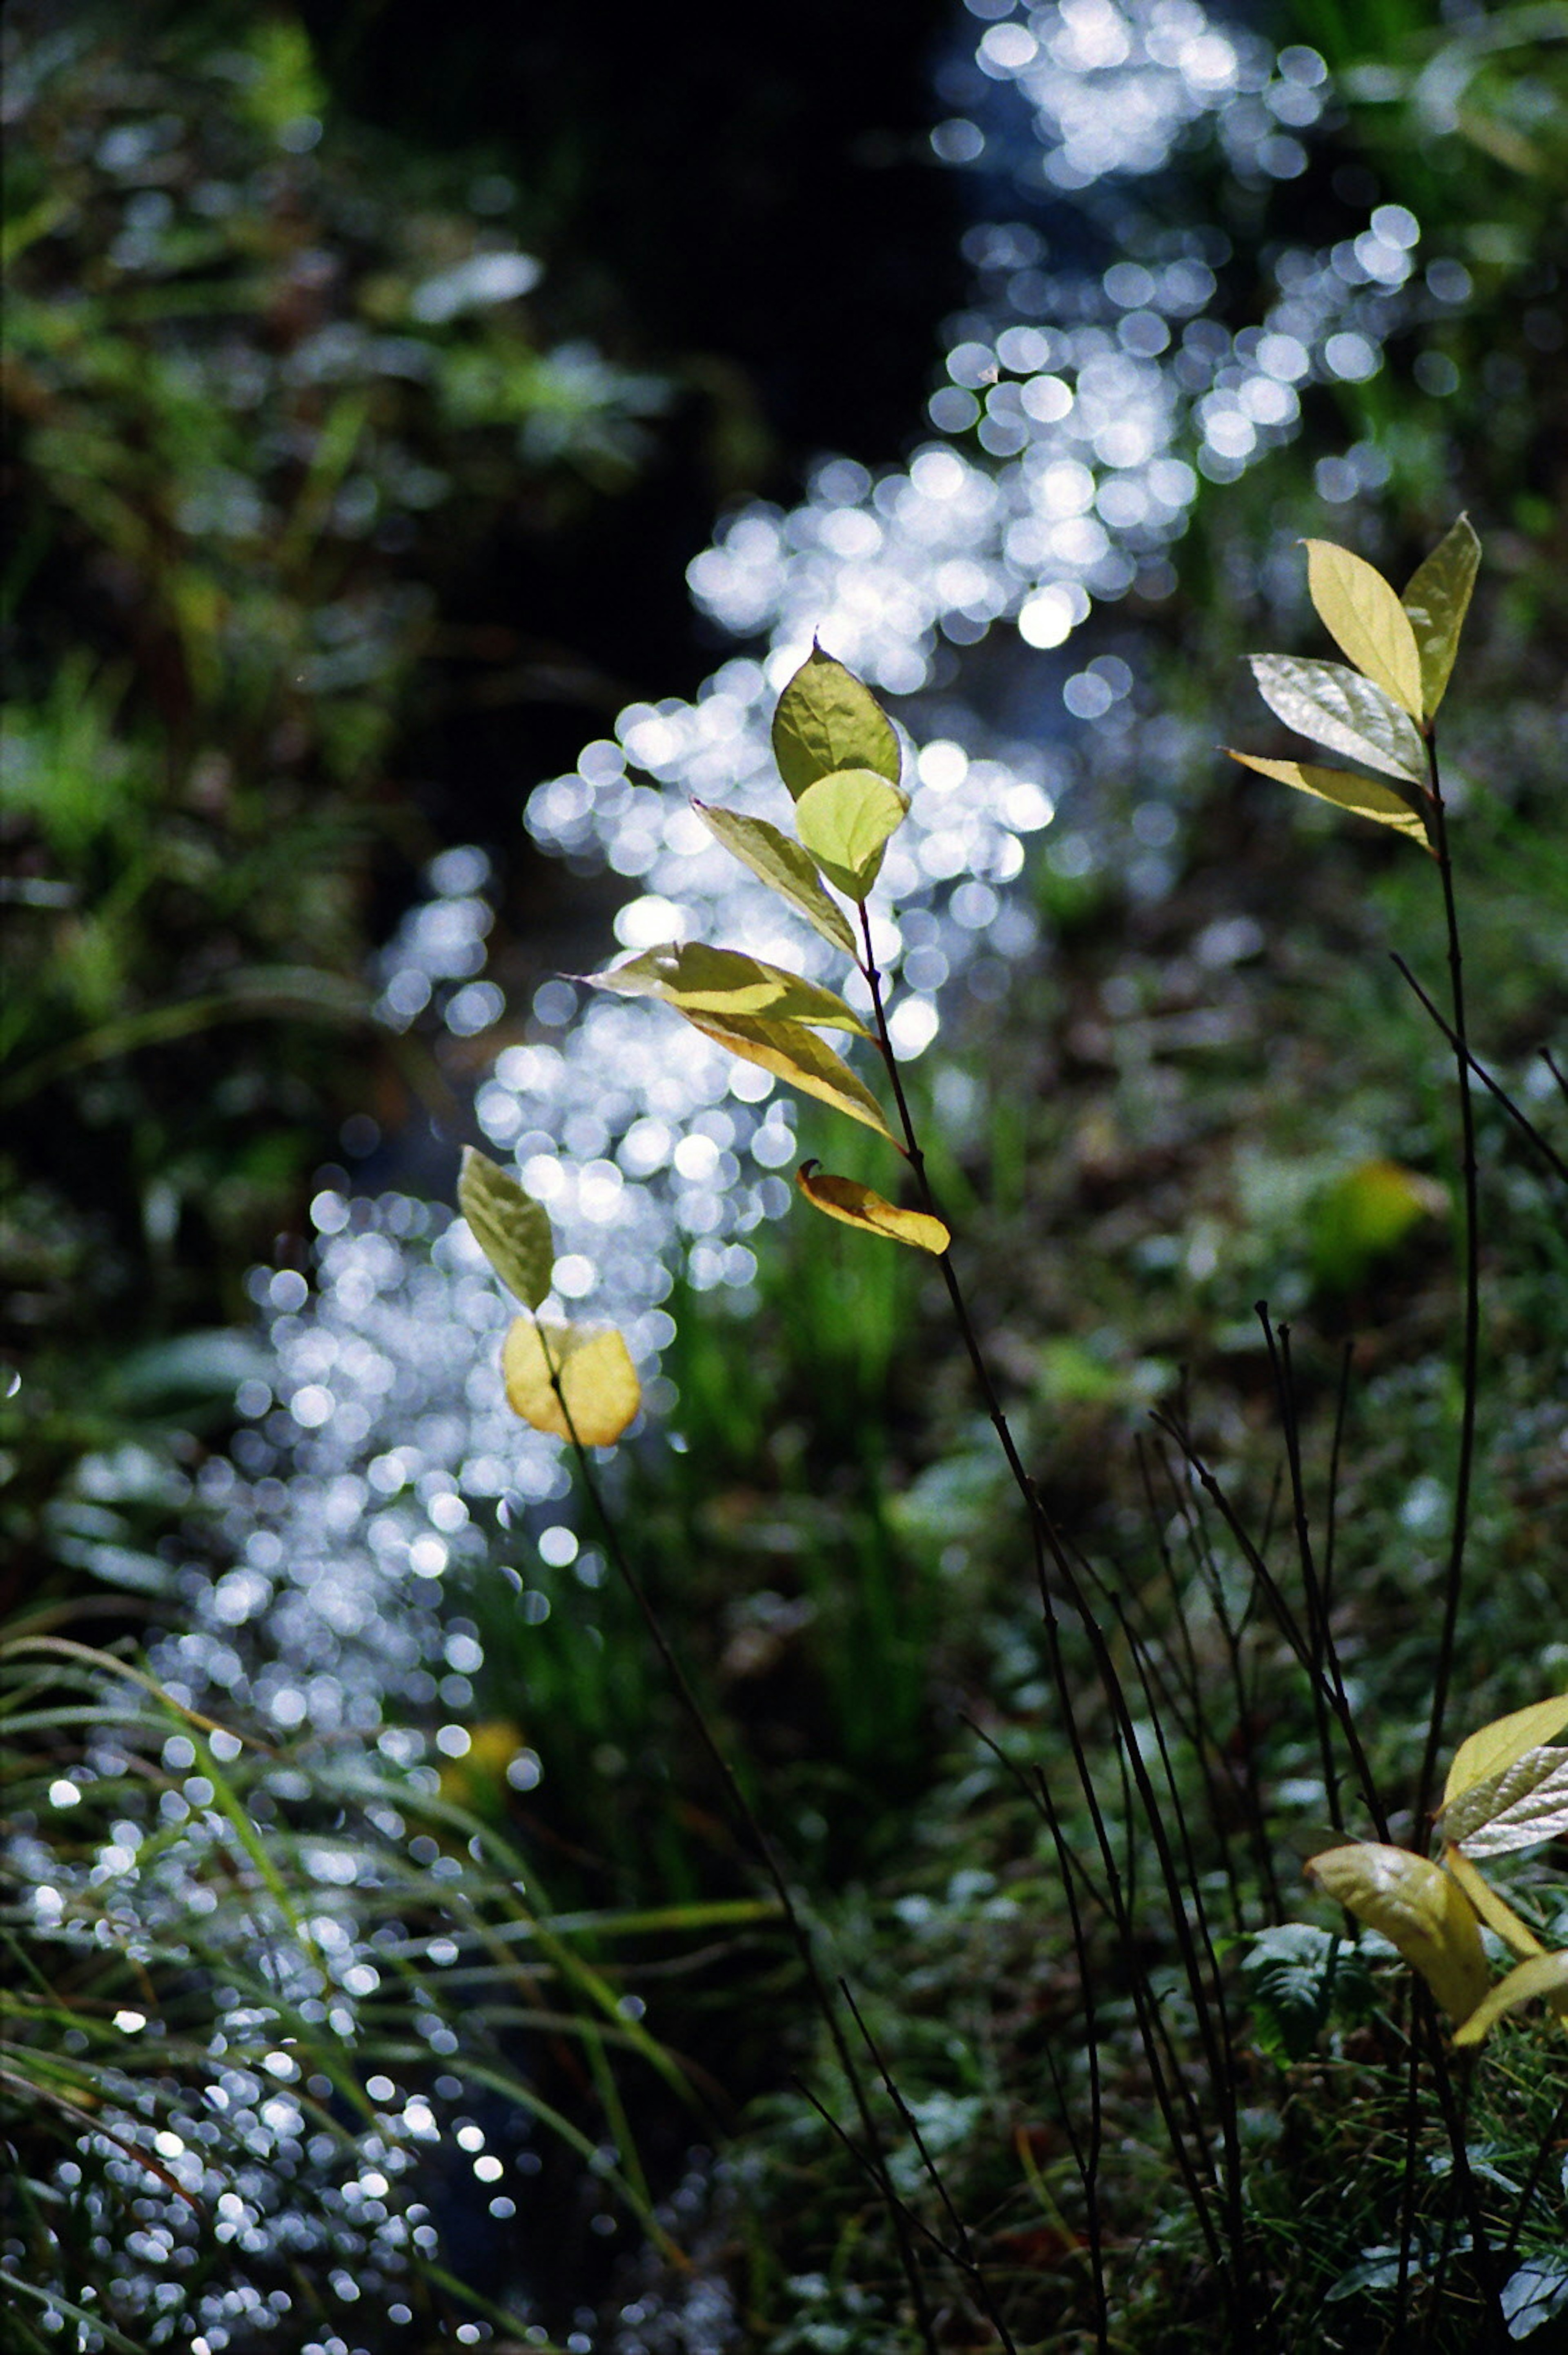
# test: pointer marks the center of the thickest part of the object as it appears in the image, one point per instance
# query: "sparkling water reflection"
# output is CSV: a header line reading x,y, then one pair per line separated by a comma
x,y
1090,387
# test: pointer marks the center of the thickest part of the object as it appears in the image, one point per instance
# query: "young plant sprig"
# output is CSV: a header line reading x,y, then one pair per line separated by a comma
x,y
1384,712
840,757
1507,1790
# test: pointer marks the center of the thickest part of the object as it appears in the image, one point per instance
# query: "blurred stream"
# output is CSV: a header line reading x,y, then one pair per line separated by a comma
x,y
993,588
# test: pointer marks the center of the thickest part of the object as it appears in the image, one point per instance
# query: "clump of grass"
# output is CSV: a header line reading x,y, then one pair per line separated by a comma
x,y
240,1981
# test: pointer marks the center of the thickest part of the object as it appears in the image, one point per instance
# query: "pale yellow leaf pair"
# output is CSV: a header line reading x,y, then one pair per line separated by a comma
x,y
1406,646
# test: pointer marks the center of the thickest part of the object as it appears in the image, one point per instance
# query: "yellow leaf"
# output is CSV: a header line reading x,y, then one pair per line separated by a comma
x,y
784,866
1543,1975
845,1198
1362,796
1502,1743
1420,1908
723,983
1366,620
598,1380
1517,1936
844,822
799,1056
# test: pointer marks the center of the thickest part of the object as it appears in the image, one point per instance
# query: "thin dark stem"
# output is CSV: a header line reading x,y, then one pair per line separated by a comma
x,y
1287,1624
1521,1120
1086,2151
1546,2150
766,1853
1331,1536
1050,1550
1278,1340
1454,1579
968,2264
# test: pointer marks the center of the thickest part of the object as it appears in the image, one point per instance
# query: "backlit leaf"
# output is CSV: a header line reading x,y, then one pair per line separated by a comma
x,y
1420,1908
1342,710
782,864
1543,1975
510,1228
1366,620
844,823
827,721
724,983
796,1054
1437,599
845,1198
598,1380
1499,1746
1362,796
1525,1802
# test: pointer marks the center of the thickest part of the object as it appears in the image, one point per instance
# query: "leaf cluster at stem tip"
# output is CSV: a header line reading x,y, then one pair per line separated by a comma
x,y
838,756
1382,710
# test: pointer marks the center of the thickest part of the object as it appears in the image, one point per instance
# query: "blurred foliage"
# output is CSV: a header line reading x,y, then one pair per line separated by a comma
x,y
268,394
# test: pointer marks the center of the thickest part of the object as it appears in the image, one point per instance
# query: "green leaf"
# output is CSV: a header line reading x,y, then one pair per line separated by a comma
x,y
510,1228
1417,1906
1437,599
1342,710
1298,1976
1527,1801
784,866
1362,796
847,1199
594,1367
1364,1215
1499,1746
826,722
1542,1974
696,979
796,1054
845,821
1366,620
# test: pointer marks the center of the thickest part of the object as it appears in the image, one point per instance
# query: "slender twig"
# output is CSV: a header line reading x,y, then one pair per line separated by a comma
x,y
766,1853
1331,1539
1453,1576
1086,2149
1288,1623
1508,1102
1051,1555
968,2264
1319,1636
1545,2151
